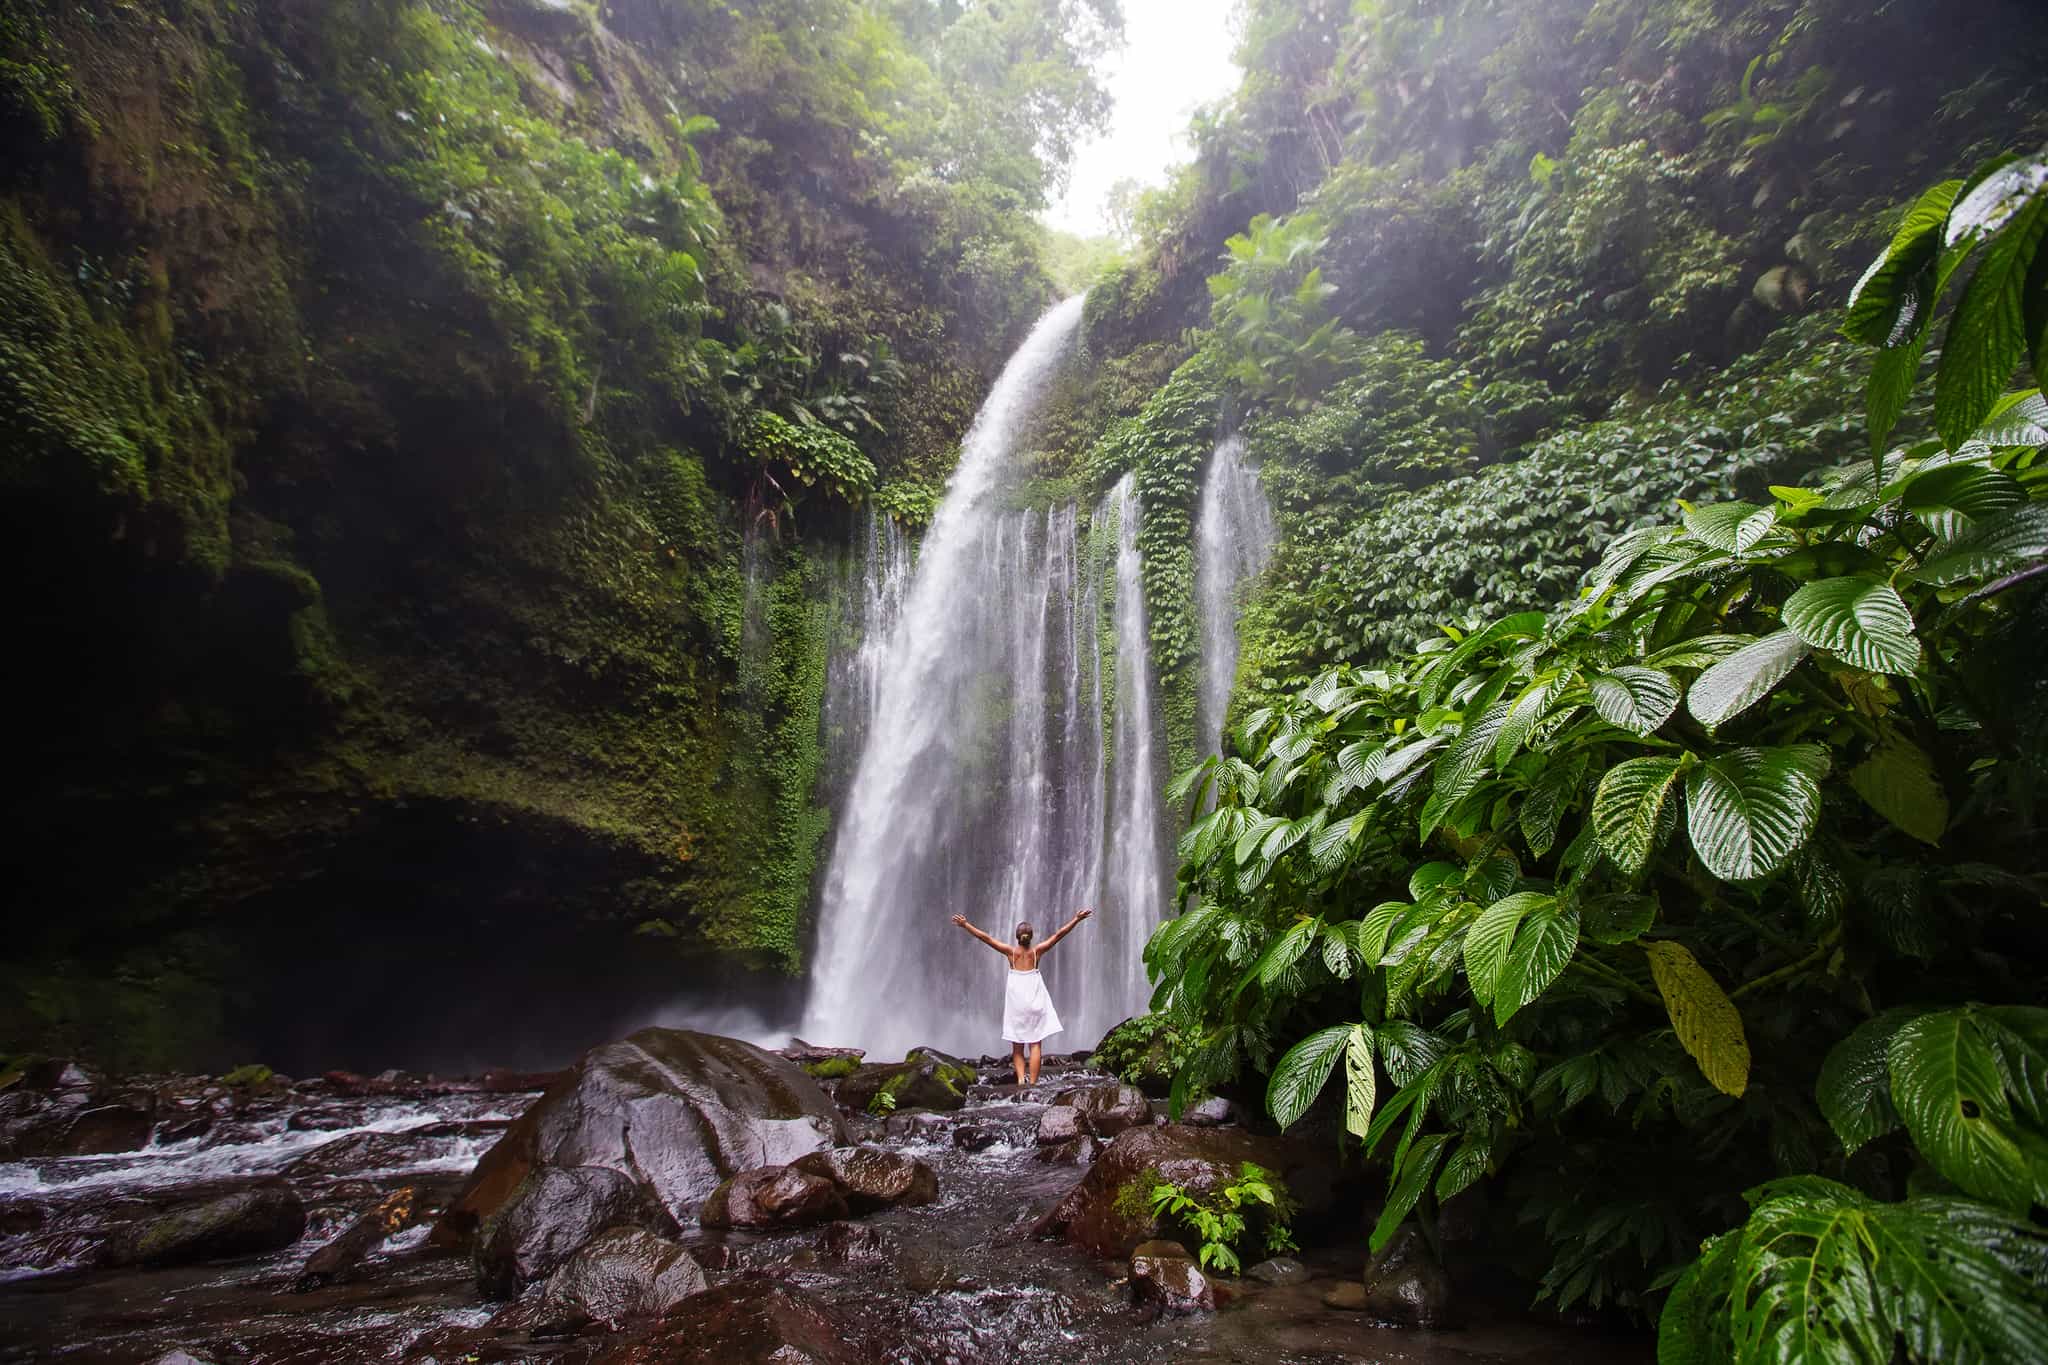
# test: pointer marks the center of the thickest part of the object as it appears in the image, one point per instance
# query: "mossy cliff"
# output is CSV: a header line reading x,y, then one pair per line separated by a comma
x,y
376,381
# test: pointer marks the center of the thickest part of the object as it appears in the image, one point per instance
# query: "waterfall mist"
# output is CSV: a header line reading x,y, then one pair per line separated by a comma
x,y
1003,706
1233,541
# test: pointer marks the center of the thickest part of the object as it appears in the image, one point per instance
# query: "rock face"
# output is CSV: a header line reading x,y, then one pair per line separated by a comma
x,y
872,1178
1061,1123
1163,1273
1279,1270
240,1224
551,1214
1078,1152
1214,1112
923,1080
773,1197
1404,1283
1107,1110
672,1112
619,1276
750,1321
33,1125
1200,1160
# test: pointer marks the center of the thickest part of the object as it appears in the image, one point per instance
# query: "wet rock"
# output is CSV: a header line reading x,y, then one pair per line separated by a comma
x,y
917,1127
872,1178
185,1130
1163,1273
547,1218
1201,1160
321,1120
750,1321
36,1125
854,1244
245,1223
339,1258
1346,1296
672,1111
619,1276
355,1155
1061,1123
974,1138
1079,1152
1214,1112
57,1074
1404,1283
773,1197
1107,1109
1279,1271
178,1358
923,1080
810,1054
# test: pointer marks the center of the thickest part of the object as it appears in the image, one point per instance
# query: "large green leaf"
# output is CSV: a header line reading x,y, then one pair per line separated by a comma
x,y
1899,783
1410,1181
1524,625
1544,942
1487,941
1987,336
1826,1274
2021,417
1302,1073
1855,1086
1693,1328
1464,765
1617,917
1744,678
1749,810
2002,545
1949,1082
1543,809
1359,1081
1732,526
1635,698
1952,498
1882,300
1863,621
1629,810
1524,714
1708,1026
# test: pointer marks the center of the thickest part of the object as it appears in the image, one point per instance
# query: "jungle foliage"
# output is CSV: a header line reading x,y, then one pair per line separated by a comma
x,y
1709,894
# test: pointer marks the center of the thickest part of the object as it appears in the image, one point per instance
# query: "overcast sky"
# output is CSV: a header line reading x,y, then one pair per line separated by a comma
x,y
1176,57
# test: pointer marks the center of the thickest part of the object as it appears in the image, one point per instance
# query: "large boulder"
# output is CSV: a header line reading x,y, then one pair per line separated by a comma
x,y
547,1219
672,1111
68,1124
923,1080
245,1223
872,1178
1108,1213
748,1321
1107,1109
1404,1283
773,1197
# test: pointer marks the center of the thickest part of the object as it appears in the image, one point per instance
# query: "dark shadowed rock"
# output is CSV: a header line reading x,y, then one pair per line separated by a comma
x,y
548,1216
67,1124
1404,1283
178,1358
872,1178
920,1127
1279,1271
854,1244
672,1111
809,1054
1163,1273
620,1276
1346,1296
338,1259
924,1080
1061,1123
1078,1152
773,1197
1099,1215
751,1321
1107,1109
1214,1112
972,1137
245,1223
357,1154
321,1120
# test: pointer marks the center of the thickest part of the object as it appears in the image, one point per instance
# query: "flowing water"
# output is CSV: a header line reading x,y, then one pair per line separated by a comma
x,y
1233,541
1008,769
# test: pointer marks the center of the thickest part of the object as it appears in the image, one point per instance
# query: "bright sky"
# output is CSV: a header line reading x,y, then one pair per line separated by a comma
x,y
1176,57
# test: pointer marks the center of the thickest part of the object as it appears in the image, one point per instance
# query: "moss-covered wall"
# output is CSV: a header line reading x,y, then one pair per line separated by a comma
x,y
368,378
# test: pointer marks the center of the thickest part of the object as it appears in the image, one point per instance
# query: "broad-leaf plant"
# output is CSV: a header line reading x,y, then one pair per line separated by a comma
x,y
1723,876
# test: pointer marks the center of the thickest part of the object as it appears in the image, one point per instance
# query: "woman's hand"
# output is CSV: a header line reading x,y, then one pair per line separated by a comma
x,y
1083,914
960,920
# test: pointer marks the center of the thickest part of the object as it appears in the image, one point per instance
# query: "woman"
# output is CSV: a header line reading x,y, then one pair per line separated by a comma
x,y
1028,1016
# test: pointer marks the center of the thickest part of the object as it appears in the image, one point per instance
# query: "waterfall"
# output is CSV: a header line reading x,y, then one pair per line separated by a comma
x,y
1233,540
867,609
990,781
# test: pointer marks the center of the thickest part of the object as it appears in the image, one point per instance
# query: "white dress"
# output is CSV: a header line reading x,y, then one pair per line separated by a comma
x,y
1028,1015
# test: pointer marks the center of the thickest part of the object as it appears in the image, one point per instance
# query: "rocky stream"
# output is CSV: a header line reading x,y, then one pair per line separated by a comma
x,y
680,1197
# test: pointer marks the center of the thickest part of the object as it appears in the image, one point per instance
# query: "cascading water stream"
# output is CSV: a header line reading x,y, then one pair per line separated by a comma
x,y
988,783
1233,541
